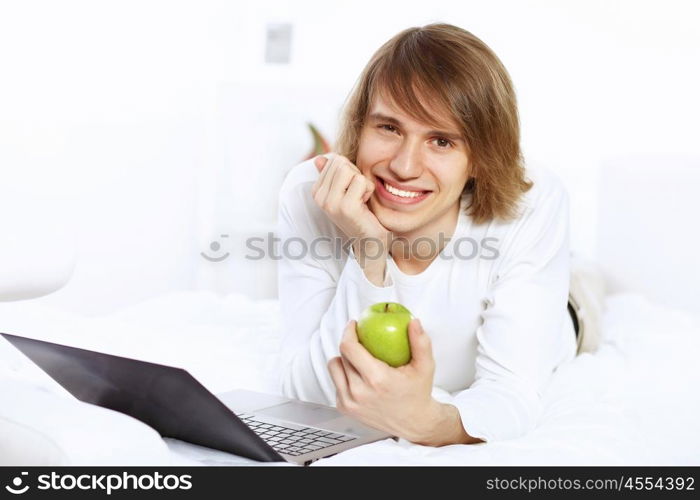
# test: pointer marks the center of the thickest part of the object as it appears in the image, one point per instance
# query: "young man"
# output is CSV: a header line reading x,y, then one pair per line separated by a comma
x,y
428,193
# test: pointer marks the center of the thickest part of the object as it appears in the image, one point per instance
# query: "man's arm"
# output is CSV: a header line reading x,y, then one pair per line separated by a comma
x,y
444,427
519,339
317,297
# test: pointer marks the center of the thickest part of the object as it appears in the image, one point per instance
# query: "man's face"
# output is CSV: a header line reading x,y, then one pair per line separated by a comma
x,y
429,169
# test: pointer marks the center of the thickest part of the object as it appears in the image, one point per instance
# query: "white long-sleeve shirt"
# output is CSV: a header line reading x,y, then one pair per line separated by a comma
x,y
498,321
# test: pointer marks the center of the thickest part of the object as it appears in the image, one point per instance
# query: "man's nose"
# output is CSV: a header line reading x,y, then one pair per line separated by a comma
x,y
407,162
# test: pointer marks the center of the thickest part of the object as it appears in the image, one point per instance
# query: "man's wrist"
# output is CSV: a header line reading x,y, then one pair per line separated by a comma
x,y
444,427
371,255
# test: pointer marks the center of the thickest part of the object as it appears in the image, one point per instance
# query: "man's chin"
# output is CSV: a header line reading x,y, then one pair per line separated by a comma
x,y
397,226
396,221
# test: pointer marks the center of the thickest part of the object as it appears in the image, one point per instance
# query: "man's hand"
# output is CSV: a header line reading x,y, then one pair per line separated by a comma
x,y
396,400
342,192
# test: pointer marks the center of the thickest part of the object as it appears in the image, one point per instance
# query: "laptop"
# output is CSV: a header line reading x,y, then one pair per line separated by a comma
x,y
262,427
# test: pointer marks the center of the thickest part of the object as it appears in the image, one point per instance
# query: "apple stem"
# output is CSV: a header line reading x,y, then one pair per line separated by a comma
x,y
386,307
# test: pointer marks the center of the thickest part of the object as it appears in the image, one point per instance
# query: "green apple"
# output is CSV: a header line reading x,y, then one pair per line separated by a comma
x,y
383,330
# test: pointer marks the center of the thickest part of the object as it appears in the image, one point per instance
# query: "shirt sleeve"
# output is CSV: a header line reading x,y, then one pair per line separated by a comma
x,y
316,305
517,338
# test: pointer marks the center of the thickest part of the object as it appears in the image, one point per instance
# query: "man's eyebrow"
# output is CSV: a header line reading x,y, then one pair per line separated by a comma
x,y
390,119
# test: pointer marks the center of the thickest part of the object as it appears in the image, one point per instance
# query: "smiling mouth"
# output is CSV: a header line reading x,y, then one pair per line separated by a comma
x,y
401,192
392,194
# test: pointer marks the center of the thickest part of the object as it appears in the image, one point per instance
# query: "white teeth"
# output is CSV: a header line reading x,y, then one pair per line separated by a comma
x,y
400,192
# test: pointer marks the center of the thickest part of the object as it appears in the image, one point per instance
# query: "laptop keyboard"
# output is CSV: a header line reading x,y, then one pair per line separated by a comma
x,y
294,441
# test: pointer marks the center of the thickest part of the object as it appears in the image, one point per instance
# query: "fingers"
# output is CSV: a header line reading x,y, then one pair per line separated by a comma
x,y
356,354
335,179
339,185
344,374
356,189
320,162
327,167
348,341
421,346
335,367
320,187
369,189
360,190
352,376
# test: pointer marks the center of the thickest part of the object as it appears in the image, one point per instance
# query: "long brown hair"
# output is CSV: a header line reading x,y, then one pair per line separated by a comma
x,y
460,74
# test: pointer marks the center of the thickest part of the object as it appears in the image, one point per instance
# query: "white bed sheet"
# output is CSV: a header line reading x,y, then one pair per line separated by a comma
x,y
634,402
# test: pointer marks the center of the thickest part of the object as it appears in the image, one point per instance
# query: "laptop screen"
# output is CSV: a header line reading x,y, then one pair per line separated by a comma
x,y
168,399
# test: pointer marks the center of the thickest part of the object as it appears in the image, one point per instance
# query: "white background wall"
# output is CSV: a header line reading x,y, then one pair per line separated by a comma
x,y
146,129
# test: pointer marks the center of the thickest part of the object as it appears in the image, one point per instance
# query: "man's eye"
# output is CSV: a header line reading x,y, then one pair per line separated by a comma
x,y
443,143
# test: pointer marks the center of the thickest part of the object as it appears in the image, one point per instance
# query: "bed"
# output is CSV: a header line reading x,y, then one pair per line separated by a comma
x,y
634,402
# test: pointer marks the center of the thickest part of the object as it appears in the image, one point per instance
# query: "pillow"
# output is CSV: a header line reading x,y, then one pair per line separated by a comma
x,y
40,427
29,267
